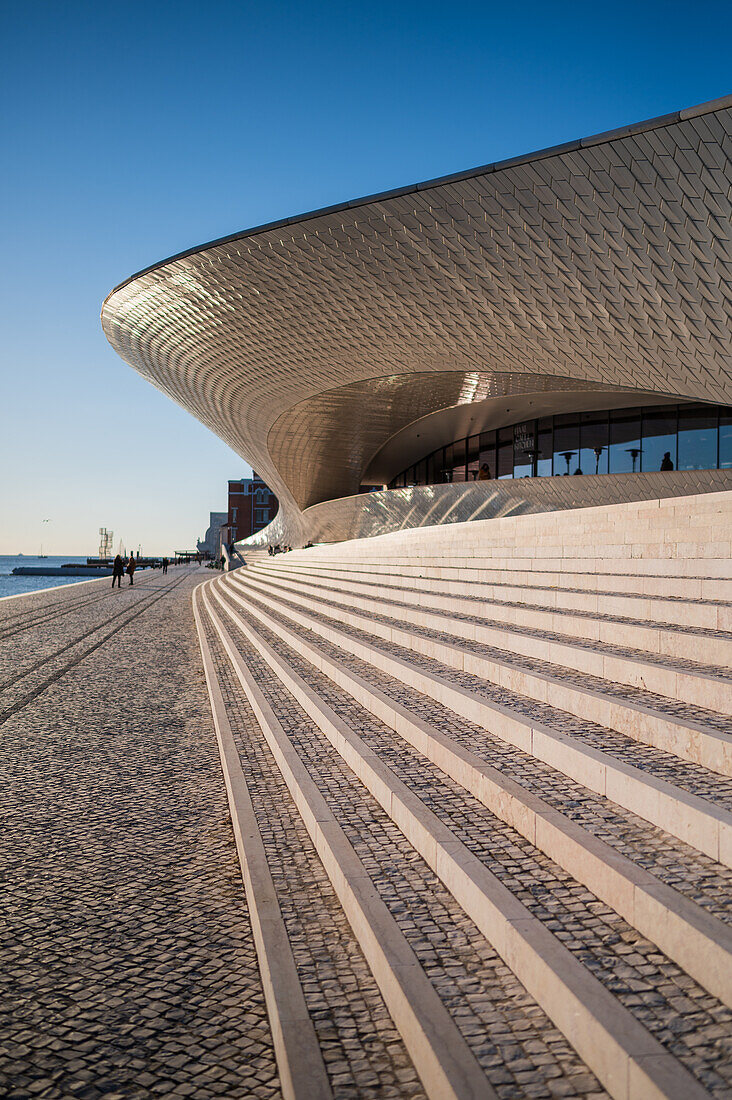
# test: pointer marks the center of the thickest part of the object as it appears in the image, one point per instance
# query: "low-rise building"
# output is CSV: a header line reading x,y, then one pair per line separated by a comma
x,y
252,506
211,542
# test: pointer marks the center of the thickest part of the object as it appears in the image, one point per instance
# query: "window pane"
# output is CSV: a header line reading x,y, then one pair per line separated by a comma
x,y
524,449
625,448
504,456
697,437
487,469
458,460
421,472
659,439
544,447
725,439
594,435
566,444
473,457
447,463
434,468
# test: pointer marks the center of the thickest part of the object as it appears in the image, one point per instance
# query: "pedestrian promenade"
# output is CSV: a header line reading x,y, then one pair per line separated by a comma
x,y
128,964
445,814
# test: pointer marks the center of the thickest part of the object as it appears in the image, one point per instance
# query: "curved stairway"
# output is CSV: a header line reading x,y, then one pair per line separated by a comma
x,y
506,748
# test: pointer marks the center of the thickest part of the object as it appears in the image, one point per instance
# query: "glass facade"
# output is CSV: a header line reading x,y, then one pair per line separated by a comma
x,y
656,437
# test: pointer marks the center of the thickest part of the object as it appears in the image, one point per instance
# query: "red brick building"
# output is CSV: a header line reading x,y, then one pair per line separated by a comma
x,y
252,505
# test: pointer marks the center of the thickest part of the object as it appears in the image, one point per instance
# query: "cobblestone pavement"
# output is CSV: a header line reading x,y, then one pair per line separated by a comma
x,y
128,969
529,584
696,715
390,597
484,601
363,1052
35,653
44,606
693,874
682,773
521,1051
686,1019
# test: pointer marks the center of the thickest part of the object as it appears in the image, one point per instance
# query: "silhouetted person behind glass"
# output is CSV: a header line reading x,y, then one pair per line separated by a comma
x,y
484,473
666,463
117,570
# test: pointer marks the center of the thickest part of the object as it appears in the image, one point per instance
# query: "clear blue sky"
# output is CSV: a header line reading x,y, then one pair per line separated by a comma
x,y
133,131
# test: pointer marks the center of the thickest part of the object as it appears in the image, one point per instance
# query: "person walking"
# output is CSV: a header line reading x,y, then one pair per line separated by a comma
x,y
131,567
165,566
117,570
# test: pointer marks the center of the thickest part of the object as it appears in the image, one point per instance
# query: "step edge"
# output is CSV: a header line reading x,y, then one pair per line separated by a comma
x,y
298,1054
701,816
432,1035
705,954
462,871
712,742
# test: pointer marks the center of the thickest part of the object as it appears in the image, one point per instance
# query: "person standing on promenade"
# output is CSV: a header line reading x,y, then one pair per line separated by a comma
x,y
117,570
165,566
131,566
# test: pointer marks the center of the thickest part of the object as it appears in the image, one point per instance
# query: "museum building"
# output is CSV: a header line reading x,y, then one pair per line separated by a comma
x,y
454,349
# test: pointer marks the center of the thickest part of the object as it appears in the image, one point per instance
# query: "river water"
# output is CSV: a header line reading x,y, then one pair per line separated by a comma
x,y
13,586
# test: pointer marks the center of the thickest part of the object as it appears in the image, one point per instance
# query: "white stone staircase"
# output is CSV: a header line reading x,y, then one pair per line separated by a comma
x,y
532,714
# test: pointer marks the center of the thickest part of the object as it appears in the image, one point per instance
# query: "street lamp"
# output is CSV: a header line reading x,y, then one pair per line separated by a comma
x,y
633,452
567,456
598,451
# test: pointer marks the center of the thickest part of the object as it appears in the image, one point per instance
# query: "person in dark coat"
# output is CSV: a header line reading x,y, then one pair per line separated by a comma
x,y
666,461
131,567
165,565
117,570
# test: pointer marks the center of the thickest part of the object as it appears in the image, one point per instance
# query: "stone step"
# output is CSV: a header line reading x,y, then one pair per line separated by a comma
x,y
476,868
686,801
360,1044
299,1057
694,937
713,647
675,567
667,557
711,536
658,595
442,1058
565,540
467,978
580,641
653,540
638,714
